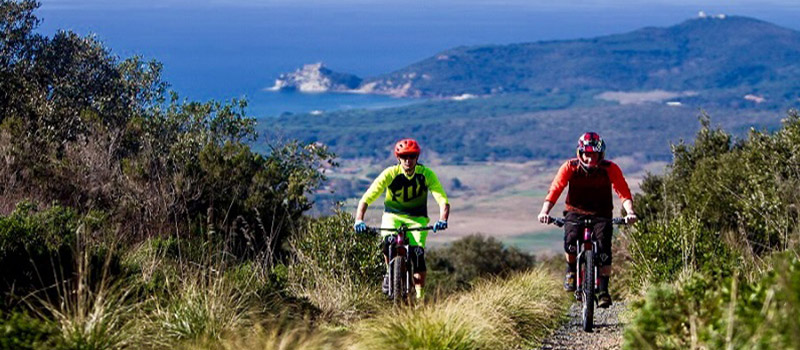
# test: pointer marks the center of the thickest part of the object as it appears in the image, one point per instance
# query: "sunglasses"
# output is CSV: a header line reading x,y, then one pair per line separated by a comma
x,y
407,156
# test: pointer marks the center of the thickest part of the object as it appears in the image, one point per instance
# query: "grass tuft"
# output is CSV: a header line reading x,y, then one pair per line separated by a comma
x,y
497,314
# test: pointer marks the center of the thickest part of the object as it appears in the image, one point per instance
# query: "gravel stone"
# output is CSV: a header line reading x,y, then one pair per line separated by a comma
x,y
607,333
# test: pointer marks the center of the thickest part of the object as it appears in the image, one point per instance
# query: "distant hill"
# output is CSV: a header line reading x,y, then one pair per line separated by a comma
x,y
740,54
644,89
698,54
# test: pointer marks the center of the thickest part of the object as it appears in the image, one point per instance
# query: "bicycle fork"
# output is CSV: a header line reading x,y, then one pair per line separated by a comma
x,y
587,244
397,251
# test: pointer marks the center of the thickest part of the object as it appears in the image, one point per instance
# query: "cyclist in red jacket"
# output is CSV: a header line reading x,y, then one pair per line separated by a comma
x,y
590,178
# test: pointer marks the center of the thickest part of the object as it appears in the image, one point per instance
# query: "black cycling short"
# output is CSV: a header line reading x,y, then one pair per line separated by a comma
x,y
416,254
602,232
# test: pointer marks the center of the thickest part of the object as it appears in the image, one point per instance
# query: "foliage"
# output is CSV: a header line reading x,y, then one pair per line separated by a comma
x,y
504,125
719,193
462,262
37,248
20,331
699,313
662,250
83,128
723,223
336,269
89,308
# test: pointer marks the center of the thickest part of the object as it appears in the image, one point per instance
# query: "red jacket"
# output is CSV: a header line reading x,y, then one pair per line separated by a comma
x,y
589,191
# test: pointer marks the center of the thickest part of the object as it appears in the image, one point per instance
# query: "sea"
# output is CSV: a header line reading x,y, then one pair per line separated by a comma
x,y
223,49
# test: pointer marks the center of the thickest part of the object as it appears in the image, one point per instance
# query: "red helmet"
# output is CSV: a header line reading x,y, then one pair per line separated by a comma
x,y
591,142
407,146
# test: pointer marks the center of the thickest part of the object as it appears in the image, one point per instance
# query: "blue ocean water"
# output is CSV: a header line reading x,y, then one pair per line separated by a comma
x,y
270,103
215,49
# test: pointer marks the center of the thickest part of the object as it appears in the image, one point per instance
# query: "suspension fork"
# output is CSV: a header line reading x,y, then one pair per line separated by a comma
x,y
586,244
398,249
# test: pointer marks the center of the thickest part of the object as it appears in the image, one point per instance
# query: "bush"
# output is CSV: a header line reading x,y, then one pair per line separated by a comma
x,y
732,313
720,202
20,331
36,248
460,263
336,269
722,222
85,129
662,250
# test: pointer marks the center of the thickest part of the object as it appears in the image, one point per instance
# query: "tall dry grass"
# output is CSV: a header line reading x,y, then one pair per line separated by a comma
x,y
511,313
335,293
274,336
89,312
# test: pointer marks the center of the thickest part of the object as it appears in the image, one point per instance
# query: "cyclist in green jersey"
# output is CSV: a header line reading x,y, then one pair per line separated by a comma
x,y
406,185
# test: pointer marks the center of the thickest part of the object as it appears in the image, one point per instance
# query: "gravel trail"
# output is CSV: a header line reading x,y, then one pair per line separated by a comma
x,y
607,332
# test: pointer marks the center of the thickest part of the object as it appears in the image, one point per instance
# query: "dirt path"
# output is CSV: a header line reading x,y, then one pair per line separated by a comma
x,y
607,330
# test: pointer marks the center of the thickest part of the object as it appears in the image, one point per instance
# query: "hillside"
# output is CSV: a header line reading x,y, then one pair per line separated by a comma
x,y
642,90
698,54
515,127
723,58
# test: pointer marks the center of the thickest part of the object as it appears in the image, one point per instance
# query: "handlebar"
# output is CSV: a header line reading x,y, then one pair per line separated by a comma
x,y
561,221
401,229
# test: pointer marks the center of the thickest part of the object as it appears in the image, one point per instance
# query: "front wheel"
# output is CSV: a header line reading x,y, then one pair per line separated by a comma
x,y
588,291
397,284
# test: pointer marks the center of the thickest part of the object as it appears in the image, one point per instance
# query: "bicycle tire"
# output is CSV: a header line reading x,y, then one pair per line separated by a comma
x,y
588,292
398,279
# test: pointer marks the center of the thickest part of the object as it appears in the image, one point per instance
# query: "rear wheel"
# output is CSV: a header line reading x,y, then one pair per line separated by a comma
x,y
398,280
588,291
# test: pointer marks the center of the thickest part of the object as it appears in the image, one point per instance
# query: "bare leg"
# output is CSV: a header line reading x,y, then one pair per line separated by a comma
x,y
419,282
419,279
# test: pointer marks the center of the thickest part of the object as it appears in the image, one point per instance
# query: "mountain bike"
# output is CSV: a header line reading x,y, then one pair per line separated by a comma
x,y
401,271
586,287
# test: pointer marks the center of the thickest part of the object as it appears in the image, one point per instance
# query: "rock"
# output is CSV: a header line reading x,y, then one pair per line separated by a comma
x,y
316,78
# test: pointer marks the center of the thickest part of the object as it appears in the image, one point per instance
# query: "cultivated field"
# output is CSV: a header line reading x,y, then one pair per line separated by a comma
x,y
498,199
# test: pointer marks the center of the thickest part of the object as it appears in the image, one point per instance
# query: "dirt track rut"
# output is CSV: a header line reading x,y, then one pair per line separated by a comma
x,y
607,332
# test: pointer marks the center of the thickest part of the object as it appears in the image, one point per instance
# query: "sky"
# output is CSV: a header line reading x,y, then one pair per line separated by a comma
x,y
218,48
527,3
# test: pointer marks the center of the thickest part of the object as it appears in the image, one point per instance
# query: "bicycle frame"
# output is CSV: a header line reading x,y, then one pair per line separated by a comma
x,y
398,249
584,244
587,251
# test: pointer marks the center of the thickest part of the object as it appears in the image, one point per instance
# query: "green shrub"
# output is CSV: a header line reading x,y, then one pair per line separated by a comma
x,y
727,313
36,248
720,203
745,187
721,222
88,130
662,250
461,262
336,269
20,331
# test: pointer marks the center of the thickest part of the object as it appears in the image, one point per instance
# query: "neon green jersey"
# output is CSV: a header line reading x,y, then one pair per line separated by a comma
x,y
406,195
